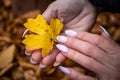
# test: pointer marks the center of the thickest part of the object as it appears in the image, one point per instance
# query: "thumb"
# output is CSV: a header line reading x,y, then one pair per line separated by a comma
x,y
50,12
74,75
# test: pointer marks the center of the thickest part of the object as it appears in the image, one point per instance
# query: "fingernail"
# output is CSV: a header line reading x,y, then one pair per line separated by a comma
x,y
42,65
56,64
27,53
65,70
62,38
62,48
32,61
105,31
25,32
71,33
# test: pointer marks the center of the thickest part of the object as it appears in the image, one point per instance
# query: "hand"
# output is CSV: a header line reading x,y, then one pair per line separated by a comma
x,y
97,53
75,14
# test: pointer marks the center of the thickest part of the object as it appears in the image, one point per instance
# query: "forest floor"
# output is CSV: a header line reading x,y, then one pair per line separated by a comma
x,y
15,65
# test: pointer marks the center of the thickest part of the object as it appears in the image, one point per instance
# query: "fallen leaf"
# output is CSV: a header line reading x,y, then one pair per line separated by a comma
x,y
30,75
6,56
6,68
17,74
45,34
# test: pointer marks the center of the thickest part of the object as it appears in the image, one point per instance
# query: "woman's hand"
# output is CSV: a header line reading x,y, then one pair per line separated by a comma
x,y
97,53
75,14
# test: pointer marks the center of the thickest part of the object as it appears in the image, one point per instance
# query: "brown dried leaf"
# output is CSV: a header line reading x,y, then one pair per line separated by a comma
x,y
117,35
28,65
17,74
6,56
4,38
51,71
30,14
6,68
21,6
30,75
7,3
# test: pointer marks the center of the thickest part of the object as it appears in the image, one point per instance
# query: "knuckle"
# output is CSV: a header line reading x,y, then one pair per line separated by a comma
x,y
90,63
88,48
116,64
98,40
75,55
71,41
54,9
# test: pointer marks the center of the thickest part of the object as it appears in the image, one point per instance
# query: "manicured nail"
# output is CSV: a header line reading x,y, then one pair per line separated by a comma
x,y
71,33
62,48
27,53
105,31
65,70
32,61
56,64
25,32
62,39
42,65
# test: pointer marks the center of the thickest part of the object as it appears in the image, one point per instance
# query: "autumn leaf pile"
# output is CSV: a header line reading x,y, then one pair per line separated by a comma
x,y
15,65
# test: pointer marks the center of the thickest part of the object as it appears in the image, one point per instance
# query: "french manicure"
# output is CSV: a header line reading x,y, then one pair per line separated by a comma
x,y
62,39
62,48
56,64
65,70
42,65
32,61
105,31
71,33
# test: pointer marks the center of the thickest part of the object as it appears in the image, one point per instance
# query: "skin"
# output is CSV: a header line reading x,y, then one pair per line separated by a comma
x,y
99,50
74,14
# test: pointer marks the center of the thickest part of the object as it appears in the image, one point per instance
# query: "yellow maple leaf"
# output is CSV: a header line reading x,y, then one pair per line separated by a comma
x,y
45,35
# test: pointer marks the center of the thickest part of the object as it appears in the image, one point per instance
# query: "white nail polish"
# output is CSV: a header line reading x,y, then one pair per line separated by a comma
x,y
105,31
26,53
71,33
65,70
42,65
62,48
62,39
56,64
25,32
32,61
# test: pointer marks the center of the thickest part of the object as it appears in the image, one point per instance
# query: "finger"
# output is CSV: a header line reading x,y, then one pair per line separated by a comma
x,y
50,12
80,58
59,59
27,51
74,75
84,47
49,59
99,41
106,34
36,57
79,22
